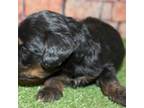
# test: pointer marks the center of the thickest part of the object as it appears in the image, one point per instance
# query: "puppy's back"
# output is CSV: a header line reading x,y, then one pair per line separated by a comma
x,y
108,37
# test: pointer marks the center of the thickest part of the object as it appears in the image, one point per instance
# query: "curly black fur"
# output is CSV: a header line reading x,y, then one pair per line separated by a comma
x,y
58,50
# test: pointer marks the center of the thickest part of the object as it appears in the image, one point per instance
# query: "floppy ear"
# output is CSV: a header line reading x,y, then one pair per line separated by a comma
x,y
58,49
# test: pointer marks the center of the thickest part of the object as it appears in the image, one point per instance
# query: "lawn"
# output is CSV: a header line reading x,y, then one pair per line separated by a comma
x,y
88,97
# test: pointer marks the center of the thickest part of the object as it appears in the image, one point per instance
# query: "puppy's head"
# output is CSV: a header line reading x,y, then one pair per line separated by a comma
x,y
45,42
29,62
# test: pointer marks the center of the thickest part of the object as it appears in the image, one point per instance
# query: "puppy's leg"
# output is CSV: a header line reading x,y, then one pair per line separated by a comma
x,y
82,81
111,87
53,89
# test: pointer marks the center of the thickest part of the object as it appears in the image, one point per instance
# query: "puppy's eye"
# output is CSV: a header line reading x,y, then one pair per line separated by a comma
x,y
36,51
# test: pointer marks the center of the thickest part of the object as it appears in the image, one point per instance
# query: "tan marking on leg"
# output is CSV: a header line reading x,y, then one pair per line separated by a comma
x,y
114,91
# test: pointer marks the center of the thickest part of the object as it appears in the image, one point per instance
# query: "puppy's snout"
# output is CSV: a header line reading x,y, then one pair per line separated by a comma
x,y
45,63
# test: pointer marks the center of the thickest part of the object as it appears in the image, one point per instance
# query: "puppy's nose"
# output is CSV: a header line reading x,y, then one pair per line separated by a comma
x,y
45,63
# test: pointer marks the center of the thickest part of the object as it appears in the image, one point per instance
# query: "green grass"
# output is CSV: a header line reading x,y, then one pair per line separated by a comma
x,y
88,97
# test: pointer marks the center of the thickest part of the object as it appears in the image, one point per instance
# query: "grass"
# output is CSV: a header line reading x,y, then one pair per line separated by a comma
x,y
88,97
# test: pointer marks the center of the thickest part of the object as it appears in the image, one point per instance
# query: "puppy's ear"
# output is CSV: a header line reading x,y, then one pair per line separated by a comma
x,y
57,51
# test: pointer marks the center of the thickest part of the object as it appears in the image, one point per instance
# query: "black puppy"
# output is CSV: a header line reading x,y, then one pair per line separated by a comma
x,y
58,50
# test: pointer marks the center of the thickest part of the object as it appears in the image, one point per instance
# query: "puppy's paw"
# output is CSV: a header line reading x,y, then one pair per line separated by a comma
x,y
119,97
48,94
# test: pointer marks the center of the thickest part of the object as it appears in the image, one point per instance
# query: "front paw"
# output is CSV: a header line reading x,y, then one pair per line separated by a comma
x,y
48,94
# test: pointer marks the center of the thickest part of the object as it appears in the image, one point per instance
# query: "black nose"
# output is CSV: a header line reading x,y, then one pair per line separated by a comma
x,y
44,64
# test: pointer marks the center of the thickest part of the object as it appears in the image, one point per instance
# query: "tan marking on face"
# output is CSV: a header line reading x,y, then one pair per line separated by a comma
x,y
34,71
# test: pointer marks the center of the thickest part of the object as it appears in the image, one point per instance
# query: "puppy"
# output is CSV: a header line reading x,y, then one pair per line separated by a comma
x,y
56,50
